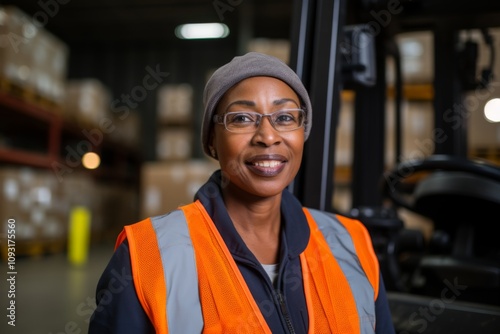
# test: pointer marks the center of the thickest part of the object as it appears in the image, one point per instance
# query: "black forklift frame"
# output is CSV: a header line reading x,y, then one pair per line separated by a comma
x,y
316,30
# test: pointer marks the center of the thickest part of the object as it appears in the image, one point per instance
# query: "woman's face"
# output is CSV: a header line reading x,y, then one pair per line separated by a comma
x,y
260,163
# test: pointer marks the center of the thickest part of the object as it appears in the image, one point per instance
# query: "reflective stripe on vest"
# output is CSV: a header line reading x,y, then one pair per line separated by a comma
x,y
332,303
348,242
177,257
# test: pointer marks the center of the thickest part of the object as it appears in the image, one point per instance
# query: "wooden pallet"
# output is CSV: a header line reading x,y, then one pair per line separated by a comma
x,y
33,248
28,95
490,153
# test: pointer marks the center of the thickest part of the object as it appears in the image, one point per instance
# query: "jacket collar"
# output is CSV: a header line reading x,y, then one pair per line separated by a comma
x,y
295,229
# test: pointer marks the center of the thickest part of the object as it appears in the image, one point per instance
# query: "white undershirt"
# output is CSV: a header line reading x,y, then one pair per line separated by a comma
x,y
271,270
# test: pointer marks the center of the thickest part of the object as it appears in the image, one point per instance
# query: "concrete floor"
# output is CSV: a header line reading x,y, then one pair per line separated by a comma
x,y
53,296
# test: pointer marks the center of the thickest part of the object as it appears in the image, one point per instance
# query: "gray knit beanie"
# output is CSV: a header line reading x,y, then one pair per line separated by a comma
x,y
252,64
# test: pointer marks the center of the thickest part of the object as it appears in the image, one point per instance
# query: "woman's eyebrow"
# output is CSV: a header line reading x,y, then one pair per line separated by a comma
x,y
244,103
247,103
283,101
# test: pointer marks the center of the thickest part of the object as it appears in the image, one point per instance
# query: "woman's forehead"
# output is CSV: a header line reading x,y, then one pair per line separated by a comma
x,y
250,90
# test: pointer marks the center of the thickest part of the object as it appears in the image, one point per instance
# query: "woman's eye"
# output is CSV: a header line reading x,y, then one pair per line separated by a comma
x,y
241,118
284,118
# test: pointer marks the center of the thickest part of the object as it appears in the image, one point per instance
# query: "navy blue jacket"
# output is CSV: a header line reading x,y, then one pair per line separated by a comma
x,y
119,311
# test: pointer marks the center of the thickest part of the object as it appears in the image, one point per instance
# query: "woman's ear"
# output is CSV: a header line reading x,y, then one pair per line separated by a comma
x,y
213,151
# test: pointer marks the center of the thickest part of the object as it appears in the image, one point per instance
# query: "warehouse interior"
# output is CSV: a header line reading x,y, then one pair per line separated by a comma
x,y
102,103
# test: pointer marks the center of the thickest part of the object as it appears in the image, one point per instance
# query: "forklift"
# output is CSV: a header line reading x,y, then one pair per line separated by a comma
x,y
449,282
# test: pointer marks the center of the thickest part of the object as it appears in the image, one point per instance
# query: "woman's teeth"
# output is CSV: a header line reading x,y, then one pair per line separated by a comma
x,y
267,164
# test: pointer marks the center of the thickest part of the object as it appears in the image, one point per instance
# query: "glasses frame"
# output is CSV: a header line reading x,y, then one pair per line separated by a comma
x,y
221,119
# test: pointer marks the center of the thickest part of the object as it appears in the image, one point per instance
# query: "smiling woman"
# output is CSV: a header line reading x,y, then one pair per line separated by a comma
x,y
267,152
246,256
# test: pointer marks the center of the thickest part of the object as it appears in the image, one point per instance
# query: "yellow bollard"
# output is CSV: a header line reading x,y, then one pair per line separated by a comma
x,y
79,235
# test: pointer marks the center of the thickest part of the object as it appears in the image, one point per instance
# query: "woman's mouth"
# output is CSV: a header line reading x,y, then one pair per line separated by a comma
x,y
268,166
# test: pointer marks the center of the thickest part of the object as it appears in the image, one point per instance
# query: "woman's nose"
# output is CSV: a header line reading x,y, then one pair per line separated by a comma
x,y
266,133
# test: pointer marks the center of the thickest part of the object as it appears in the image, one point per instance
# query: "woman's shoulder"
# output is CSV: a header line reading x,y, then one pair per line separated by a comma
x,y
326,217
339,223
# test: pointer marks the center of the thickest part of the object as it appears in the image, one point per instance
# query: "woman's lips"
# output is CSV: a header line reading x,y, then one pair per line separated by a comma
x,y
267,165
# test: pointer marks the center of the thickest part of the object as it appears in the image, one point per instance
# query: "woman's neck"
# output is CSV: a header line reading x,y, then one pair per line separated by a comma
x,y
258,222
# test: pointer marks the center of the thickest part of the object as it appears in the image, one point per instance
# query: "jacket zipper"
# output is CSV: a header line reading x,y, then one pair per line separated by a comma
x,y
284,312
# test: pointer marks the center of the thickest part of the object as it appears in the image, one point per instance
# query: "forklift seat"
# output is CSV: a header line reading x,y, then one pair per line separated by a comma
x,y
461,197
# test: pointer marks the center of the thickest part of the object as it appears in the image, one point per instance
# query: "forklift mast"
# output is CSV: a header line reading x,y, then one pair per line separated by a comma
x,y
318,31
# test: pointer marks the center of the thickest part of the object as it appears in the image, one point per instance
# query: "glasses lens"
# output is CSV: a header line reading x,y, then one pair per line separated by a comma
x,y
241,121
287,120
282,120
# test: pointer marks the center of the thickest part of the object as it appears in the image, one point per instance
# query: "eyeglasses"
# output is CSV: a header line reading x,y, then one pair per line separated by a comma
x,y
248,121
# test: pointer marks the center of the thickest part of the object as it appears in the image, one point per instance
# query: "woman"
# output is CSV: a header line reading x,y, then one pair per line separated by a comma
x,y
245,256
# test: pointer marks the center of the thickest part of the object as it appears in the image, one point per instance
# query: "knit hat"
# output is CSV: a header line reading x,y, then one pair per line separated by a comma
x,y
252,64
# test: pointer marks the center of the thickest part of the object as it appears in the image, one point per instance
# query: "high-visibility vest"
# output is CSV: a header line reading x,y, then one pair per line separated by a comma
x,y
188,282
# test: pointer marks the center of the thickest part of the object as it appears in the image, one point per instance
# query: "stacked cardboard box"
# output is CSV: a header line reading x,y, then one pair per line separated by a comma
x,y
174,144
167,185
126,129
87,101
41,204
31,58
31,198
117,205
279,48
175,103
175,133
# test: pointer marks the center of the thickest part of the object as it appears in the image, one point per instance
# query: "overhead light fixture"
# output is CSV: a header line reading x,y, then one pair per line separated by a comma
x,y
201,31
492,110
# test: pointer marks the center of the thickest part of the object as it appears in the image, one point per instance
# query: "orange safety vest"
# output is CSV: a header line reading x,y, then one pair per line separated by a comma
x,y
226,303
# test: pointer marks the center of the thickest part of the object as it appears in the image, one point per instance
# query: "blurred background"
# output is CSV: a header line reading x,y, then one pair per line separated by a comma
x,y
101,104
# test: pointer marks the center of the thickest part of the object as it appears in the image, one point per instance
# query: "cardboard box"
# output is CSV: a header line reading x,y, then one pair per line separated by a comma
x,y
417,60
50,61
167,185
31,57
279,48
41,204
175,104
87,100
117,205
17,45
127,129
29,196
174,143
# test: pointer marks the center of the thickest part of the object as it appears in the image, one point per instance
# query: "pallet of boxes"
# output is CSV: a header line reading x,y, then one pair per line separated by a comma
x,y
116,203
174,178
32,60
33,65
41,199
40,205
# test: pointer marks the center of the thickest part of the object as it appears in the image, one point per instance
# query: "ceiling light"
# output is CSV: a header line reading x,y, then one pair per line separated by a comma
x,y
492,110
201,31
